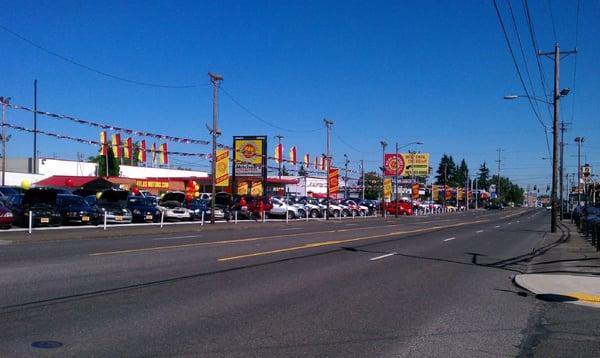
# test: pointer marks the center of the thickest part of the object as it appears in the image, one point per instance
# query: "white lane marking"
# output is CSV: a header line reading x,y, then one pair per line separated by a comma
x,y
5,242
497,226
350,224
383,256
509,223
452,238
479,231
518,221
291,228
177,237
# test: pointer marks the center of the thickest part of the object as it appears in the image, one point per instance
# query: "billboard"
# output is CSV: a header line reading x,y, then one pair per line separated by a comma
x,y
222,167
249,156
415,191
408,164
334,181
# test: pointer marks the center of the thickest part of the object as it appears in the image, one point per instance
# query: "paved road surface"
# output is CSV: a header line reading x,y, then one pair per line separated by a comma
x,y
412,286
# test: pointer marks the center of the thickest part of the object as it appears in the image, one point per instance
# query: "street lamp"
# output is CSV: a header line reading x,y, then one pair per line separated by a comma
x,y
397,171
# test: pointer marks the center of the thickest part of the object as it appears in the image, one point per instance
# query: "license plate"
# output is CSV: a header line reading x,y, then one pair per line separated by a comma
x,y
118,218
44,220
148,217
85,218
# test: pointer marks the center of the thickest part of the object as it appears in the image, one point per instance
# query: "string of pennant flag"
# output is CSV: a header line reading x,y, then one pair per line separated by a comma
x,y
111,127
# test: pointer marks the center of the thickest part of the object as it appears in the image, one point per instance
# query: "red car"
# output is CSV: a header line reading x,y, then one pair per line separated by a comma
x,y
6,217
400,208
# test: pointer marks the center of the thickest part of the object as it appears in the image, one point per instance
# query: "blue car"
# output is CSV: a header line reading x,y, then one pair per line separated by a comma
x,y
143,209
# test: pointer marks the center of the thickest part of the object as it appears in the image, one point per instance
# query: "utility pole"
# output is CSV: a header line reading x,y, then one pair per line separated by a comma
x,y
475,193
383,145
579,140
445,185
346,161
499,161
5,103
34,126
280,160
555,55
362,175
215,79
396,180
562,172
328,124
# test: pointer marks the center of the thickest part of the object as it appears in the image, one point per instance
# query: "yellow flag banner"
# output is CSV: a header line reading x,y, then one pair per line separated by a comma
x,y
222,168
257,189
435,192
334,181
387,188
242,188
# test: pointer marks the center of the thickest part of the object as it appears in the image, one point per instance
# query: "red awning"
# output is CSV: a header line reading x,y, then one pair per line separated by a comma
x,y
61,181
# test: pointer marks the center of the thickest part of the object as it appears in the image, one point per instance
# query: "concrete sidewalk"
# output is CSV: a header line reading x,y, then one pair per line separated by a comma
x,y
567,271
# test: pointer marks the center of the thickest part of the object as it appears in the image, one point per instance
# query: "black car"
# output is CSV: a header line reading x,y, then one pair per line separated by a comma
x,y
199,206
113,204
42,205
143,209
10,190
75,210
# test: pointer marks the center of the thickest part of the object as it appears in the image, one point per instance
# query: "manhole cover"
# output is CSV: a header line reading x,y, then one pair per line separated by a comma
x,y
46,344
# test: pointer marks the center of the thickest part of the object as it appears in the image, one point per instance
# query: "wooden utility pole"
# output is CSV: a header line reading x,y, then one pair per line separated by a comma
x,y
328,124
215,79
5,102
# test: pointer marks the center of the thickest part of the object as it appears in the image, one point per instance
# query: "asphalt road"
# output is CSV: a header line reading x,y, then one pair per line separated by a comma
x,y
412,286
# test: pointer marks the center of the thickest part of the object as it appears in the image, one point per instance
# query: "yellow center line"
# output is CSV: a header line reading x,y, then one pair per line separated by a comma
x,y
234,241
336,242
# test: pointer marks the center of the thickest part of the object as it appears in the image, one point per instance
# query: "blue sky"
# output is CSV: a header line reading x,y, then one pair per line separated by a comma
x,y
433,71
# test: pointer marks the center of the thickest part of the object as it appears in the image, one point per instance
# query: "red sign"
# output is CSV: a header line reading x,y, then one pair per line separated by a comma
x,y
393,165
334,181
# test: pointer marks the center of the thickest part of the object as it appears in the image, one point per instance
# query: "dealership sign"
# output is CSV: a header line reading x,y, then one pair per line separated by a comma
x,y
406,164
249,156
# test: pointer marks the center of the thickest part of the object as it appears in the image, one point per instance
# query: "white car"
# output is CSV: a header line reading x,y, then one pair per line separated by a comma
x,y
312,206
281,207
334,209
172,205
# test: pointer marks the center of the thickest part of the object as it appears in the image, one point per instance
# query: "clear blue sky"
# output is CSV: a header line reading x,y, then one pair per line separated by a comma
x,y
401,71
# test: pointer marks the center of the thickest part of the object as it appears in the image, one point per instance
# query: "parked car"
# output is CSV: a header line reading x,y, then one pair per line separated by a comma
x,y
172,204
311,206
113,204
281,206
10,190
353,208
401,207
142,209
495,206
75,210
370,205
334,209
223,203
199,206
6,216
42,204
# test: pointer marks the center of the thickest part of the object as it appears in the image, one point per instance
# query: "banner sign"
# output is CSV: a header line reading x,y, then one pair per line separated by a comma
x,y
257,189
459,194
435,192
249,156
387,188
408,164
147,184
222,167
415,190
447,192
334,181
242,188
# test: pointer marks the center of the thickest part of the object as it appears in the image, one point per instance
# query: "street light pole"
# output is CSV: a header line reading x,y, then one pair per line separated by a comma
x,y
397,173
383,146
346,161
5,102
215,79
579,140
328,124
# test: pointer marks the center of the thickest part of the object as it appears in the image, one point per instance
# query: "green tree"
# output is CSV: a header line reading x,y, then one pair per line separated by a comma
x,y
483,177
460,175
446,170
373,185
113,164
508,191
302,171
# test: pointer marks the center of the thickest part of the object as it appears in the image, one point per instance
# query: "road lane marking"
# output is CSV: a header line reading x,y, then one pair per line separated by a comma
x,y
382,256
291,228
518,221
509,223
251,239
479,231
336,242
5,242
177,237
450,239
497,226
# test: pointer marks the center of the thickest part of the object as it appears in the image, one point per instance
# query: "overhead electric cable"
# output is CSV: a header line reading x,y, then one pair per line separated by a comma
x,y
92,69
245,109
575,62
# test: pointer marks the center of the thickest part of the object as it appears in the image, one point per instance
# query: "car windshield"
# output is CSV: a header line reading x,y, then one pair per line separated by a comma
x,y
71,200
140,201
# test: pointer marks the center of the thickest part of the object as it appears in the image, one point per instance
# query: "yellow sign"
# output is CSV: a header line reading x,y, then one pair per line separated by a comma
x,y
257,189
248,157
222,167
435,192
387,189
334,181
147,184
242,188
415,164
459,194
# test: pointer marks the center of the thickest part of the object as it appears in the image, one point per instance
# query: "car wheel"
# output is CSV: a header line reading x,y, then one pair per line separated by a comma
x,y
291,215
301,213
314,214
345,213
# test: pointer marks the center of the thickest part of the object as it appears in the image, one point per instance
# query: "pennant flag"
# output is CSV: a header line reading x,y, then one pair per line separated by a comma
x,y
153,152
323,163
116,145
142,151
164,158
128,149
278,153
307,160
316,162
293,155
103,143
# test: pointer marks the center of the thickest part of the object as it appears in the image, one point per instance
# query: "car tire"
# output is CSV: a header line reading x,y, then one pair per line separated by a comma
x,y
291,215
301,213
314,214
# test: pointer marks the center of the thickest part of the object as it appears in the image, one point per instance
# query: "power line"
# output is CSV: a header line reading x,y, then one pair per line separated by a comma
x,y
512,54
575,64
256,116
92,69
348,144
552,20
